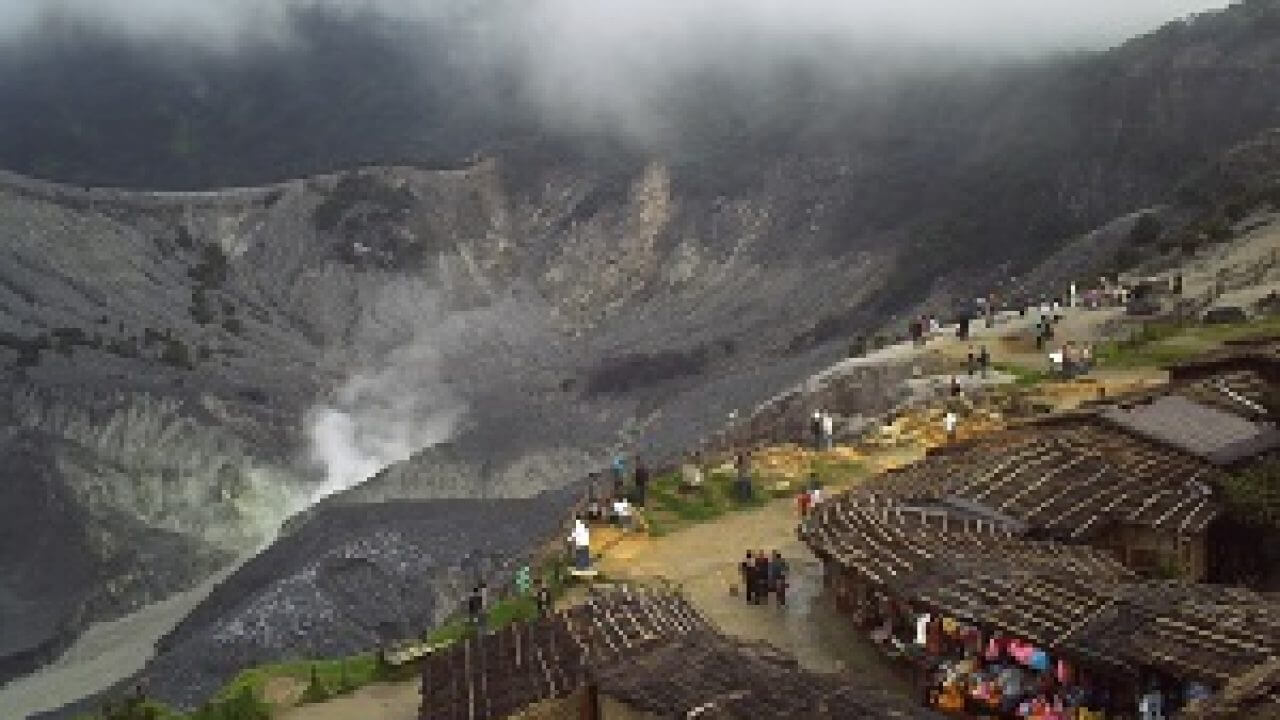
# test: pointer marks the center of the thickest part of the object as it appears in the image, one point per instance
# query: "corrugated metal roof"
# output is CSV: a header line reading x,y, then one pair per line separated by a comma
x,y
1215,435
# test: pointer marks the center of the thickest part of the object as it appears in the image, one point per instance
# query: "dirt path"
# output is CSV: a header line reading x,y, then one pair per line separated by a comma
x,y
703,559
380,701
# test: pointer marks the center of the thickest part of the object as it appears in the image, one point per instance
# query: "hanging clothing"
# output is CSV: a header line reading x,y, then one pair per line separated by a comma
x,y
1039,660
922,629
1064,673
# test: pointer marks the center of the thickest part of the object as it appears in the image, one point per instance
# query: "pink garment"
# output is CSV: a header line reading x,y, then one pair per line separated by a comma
x,y
1064,672
993,650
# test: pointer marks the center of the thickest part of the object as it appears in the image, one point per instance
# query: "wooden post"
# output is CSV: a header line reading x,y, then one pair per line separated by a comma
x,y
590,701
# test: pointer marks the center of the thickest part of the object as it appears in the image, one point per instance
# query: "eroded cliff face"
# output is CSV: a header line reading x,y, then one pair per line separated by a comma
x,y
186,370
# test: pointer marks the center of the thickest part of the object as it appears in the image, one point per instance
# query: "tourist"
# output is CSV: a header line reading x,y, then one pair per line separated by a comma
x,y
543,599
949,422
475,608
971,362
778,567
802,503
762,578
642,481
828,430
581,540
623,513
619,470
815,429
815,497
955,386
743,482
748,569
984,361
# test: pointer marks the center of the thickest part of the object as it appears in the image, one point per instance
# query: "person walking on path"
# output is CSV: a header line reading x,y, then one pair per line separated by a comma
x,y
779,568
949,425
828,430
802,503
748,569
815,429
762,578
581,540
642,481
971,362
984,361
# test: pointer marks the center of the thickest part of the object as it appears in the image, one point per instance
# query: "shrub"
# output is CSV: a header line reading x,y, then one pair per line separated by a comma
x,y
177,354
1146,230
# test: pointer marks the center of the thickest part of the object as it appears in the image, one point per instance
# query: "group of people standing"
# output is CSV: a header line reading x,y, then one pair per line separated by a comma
x,y
922,327
763,574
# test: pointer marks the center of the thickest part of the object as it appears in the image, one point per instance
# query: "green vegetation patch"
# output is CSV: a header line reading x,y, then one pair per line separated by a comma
x,y
1169,342
241,699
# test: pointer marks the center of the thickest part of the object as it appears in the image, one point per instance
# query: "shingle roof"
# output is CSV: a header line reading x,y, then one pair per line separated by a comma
x,y
1207,432
1065,481
647,648
710,676
1067,598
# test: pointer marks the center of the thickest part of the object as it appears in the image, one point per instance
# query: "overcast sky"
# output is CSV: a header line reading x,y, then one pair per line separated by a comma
x,y
1017,23
589,64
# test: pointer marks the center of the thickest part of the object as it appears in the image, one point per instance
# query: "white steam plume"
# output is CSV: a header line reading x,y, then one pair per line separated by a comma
x,y
398,400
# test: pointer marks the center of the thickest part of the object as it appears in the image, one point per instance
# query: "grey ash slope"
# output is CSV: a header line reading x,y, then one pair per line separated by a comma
x,y
346,580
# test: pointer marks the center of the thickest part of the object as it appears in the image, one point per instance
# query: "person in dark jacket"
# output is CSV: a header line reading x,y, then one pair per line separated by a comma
x,y
762,578
543,599
748,570
642,481
778,571
475,608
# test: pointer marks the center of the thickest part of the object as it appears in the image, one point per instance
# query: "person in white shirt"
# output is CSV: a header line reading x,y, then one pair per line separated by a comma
x,y
828,430
581,539
622,511
949,424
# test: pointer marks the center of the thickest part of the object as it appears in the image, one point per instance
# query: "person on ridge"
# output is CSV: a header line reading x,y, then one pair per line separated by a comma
x,y
619,470
828,430
815,429
581,539
642,481
748,570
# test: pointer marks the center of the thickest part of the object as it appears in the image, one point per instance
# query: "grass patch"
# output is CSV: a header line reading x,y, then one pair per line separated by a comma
x,y
668,509
1169,342
1022,376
